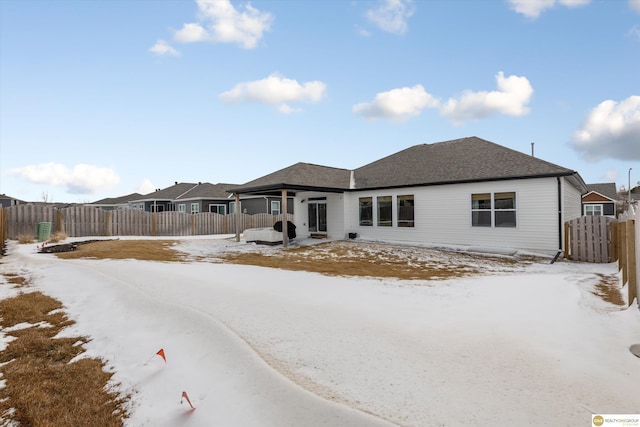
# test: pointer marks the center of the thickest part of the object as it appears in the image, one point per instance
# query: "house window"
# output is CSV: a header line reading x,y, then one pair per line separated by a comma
x,y
505,209
594,210
497,209
385,218
366,211
232,207
219,209
405,211
182,207
275,207
481,210
195,208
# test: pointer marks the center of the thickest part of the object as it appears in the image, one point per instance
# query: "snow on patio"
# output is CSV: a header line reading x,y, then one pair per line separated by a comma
x,y
257,346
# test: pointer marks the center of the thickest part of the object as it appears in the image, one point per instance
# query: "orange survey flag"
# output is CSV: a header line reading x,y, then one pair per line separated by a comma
x,y
161,354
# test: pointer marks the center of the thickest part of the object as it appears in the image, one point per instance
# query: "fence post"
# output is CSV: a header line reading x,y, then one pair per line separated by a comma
x,y
107,223
566,240
622,250
613,241
631,261
59,222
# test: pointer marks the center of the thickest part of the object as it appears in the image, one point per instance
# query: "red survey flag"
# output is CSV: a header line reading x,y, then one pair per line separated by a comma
x,y
158,353
185,396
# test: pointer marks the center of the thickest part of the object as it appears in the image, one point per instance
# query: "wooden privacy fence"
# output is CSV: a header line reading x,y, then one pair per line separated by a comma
x,y
3,231
589,239
605,239
78,221
627,232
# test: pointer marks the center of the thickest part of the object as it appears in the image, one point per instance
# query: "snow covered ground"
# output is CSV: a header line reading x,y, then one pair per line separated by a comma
x,y
254,346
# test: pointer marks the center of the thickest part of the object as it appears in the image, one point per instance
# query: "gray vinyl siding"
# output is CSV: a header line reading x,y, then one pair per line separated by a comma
x,y
255,205
572,201
443,216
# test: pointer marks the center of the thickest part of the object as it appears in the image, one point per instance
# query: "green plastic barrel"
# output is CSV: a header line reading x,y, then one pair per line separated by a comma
x,y
44,231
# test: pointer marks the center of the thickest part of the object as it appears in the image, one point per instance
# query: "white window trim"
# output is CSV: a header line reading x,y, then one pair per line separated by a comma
x,y
593,205
275,203
217,205
494,210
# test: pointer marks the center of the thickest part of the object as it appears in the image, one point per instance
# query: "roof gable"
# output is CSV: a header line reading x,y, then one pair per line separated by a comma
x,y
607,190
594,196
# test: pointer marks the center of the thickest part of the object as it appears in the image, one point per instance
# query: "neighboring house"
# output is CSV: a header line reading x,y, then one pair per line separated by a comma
x,y
635,196
6,201
199,197
113,203
600,200
464,192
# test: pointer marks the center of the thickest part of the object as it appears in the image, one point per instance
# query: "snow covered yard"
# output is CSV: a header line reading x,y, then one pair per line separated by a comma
x,y
512,344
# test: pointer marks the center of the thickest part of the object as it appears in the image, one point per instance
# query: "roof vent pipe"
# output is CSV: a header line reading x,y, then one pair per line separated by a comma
x,y
532,144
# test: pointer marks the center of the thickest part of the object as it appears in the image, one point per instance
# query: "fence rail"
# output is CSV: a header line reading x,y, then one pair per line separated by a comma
x,y
79,221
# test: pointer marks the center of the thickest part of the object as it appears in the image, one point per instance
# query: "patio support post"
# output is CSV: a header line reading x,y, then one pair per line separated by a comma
x,y
285,225
237,217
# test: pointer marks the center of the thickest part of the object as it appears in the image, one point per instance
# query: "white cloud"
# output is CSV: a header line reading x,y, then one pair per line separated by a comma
x,y
220,21
397,105
511,98
392,15
82,179
275,90
191,33
533,8
611,130
635,5
163,48
146,187
634,32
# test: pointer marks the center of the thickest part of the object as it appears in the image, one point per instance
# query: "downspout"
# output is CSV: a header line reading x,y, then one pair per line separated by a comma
x,y
559,214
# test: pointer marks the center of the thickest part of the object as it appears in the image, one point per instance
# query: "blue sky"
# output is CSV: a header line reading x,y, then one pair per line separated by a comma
x,y
105,98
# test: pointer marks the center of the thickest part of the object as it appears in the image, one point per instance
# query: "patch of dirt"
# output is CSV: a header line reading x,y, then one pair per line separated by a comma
x,y
145,250
608,288
335,258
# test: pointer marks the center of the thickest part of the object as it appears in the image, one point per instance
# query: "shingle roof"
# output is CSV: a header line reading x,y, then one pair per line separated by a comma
x,y
207,190
460,160
169,193
118,200
303,175
607,189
